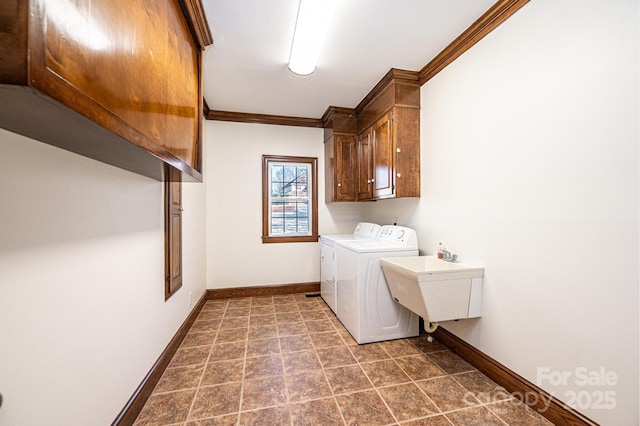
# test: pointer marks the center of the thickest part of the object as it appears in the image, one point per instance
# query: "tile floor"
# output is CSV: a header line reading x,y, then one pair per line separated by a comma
x,y
287,360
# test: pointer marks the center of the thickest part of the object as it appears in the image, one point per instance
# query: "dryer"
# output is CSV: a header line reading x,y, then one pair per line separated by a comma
x,y
364,303
362,231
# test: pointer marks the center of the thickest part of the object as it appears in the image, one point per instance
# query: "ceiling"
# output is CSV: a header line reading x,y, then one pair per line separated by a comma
x,y
245,70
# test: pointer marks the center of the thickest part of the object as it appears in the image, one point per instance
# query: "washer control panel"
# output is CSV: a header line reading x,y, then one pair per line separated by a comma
x,y
397,235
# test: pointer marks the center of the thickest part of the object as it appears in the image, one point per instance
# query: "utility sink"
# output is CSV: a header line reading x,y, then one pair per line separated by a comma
x,y
435,289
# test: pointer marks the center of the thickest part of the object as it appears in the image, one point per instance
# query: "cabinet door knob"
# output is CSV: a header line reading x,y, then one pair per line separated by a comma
x,y
372,180
398,150
339,184
368,180
398,174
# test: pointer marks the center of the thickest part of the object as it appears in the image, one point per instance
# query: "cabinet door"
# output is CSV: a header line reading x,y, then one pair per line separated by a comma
x,y
364,166
173,232
345,160
382,141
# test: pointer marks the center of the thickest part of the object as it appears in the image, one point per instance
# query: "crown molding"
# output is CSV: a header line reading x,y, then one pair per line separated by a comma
x,y
490,20
245,117
197,22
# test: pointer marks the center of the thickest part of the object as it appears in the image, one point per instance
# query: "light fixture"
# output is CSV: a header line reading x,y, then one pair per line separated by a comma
x,y
314,18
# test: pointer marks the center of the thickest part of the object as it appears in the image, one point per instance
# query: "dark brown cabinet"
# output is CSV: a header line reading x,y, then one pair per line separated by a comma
x,y
173,232
388,143
364,166
117,81
340,154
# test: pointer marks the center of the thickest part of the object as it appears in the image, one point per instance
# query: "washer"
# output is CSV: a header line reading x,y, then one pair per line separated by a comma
x,y
364,303
363,231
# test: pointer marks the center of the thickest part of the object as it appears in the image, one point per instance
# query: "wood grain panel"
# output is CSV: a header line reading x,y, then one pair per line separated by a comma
x,y
13,42
138,63
130,67
490,20
558,412
407,151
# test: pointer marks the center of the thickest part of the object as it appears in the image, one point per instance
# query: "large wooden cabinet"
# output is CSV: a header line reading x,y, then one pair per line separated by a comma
x,y
340,154
118,81
387,141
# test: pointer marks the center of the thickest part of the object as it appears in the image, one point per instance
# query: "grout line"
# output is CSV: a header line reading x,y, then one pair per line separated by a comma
x,y
206,364
336,328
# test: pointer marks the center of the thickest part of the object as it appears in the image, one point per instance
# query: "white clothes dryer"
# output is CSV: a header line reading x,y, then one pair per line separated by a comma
x,y
362,231
364,303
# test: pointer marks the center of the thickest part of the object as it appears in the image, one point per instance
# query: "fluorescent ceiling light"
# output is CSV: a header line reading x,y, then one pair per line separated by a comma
x,y
314,18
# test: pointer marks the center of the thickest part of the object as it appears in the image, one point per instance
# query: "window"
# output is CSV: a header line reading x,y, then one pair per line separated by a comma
x,y
289,199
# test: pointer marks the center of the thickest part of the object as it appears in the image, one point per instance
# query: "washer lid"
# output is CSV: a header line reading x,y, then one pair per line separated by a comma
x,y
372,246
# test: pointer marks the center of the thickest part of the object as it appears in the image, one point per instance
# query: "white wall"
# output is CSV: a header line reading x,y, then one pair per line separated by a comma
x,y
530,168
81,285
236,255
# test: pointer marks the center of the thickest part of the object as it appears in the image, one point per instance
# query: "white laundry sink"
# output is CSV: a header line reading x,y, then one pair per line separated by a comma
x,y
434,289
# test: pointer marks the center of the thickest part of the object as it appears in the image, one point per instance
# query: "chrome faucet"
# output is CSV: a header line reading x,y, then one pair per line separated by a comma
x,y
447,256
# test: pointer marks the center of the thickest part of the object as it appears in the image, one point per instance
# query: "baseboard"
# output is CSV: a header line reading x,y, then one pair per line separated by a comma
x,y
225,293
133,407
557,412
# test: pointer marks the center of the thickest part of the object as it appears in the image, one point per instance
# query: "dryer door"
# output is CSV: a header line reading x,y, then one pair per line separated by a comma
x,y
327,274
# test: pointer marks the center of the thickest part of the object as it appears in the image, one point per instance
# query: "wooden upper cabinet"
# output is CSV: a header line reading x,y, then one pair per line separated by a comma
x,y
118,81
382,161
364,169
340,154
388,153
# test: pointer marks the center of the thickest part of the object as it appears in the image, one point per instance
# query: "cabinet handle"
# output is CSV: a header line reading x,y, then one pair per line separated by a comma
x,y
339,184
398,150
398,174
368,180
372,180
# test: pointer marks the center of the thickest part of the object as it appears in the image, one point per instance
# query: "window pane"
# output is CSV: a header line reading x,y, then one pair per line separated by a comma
x,y
303,225
303,210
276,189
277,209
277,173
302,175
277,226
290,209
289,173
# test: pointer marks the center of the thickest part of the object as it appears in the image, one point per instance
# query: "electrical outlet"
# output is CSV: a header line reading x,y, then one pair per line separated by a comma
x,y
190,299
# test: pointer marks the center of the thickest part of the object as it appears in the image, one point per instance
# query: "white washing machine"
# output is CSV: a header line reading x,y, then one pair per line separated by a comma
x,y
363,231
365,305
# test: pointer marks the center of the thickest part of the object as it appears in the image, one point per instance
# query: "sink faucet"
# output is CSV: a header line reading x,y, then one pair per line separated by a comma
x,y
447,256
